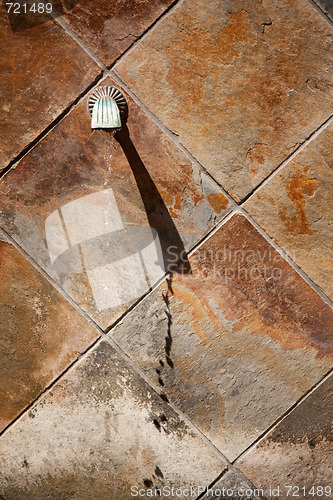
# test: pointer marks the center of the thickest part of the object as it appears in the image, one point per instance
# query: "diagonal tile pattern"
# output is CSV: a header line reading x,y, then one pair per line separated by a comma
x,y
40,333
83,204
109,27
242,83
100,432
296,209
235,343
298,452
42,71
234,337
233,486
326,6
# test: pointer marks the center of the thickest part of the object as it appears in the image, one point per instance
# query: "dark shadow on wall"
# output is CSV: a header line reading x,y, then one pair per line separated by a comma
x,y
158,215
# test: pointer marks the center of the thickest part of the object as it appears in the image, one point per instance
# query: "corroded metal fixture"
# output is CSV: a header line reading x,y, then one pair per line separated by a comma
x,y
108,108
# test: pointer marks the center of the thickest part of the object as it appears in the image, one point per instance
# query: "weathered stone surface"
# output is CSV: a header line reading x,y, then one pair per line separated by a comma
x,y
296,209
235,343
109,27
98,433
241,82
106,217
326,6
234,486
42,71
40,333
298,452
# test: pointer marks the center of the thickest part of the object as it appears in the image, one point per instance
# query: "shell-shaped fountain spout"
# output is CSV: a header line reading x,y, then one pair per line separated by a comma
x,y
108,108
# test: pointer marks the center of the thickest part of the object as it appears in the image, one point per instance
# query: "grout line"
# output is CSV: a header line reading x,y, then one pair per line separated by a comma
x,y
172,136
299,402
164,14
321,12
44,273
240,475
212,484
289,158
157,389
70,32
49,388
290,261
234,209
105,335
51,126
218,226
107,330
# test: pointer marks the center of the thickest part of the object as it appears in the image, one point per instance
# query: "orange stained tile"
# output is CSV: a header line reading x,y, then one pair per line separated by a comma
x,y
298,186
218,202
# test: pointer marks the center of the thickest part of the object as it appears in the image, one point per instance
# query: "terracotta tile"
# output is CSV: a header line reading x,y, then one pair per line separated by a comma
x,y
241,82
296,209
129,205
40,333
109,27
97,434
298,452
42,71
235,343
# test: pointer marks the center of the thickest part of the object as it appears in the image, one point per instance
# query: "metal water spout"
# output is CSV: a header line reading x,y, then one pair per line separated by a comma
x,y
108,108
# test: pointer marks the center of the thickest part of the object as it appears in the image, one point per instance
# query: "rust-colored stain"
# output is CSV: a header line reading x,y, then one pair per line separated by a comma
x,y
257,157
195,307
234,37
218,202
295,209
224,46
298,186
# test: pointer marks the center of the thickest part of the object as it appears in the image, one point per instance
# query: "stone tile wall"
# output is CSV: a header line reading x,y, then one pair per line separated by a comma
x,y
166,290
